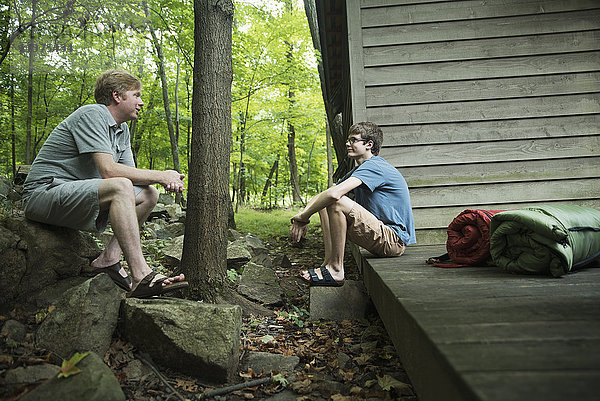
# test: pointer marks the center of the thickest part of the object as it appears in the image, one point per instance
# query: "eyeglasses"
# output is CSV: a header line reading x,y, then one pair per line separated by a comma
x,y
352,140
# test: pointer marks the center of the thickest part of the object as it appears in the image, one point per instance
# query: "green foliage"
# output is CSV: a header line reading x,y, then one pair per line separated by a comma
x,y
232,275
264,224
75,41
296,315
69,367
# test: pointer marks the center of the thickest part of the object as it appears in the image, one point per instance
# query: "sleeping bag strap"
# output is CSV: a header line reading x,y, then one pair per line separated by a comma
x,y
443,261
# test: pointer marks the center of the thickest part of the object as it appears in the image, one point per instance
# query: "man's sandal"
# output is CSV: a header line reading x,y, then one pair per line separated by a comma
x,y
144,290
114,272
326,281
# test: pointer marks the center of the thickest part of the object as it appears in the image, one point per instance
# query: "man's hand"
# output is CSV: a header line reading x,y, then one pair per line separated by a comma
x,y
298,228
173,181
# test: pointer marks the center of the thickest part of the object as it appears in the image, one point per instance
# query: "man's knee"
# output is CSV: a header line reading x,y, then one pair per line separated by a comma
x,y
148,195
116,188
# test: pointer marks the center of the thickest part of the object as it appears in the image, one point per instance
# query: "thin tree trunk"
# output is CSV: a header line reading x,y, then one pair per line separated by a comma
x,y
204,260
163,79
270,178
28,155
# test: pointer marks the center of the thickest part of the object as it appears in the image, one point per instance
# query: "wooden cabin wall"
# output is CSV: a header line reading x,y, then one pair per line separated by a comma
x,y
484,104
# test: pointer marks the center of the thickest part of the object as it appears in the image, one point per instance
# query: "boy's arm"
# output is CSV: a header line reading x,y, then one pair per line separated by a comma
x,y
322,200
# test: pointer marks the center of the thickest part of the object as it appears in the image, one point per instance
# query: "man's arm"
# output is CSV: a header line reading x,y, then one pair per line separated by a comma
x,y
322,200
108,168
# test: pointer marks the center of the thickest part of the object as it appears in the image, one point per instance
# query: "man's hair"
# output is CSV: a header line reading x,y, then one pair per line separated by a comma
x,y
114,80
369,131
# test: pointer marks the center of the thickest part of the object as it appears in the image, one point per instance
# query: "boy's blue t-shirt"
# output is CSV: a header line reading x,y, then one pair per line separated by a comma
x,y
384,193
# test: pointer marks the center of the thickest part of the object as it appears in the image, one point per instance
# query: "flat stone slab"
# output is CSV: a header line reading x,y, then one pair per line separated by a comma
x,y
349,301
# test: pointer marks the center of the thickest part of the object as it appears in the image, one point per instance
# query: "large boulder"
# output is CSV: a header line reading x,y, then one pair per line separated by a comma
x,y
34,256
191,337
95,382
83,320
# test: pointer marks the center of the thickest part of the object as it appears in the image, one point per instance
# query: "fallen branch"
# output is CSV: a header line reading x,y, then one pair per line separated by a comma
x,y
235,387
160,376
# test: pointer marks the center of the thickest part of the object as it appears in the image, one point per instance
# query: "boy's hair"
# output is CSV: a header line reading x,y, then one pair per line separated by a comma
x,y
114,80
369,131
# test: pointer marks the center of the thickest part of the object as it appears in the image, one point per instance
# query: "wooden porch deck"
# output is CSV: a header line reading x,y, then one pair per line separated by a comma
x,y
480,333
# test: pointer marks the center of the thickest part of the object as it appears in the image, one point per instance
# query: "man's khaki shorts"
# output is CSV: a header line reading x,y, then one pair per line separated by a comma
x,y
365,230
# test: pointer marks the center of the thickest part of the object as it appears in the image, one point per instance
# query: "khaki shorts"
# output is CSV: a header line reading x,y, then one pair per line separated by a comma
x,y
365,230
72,204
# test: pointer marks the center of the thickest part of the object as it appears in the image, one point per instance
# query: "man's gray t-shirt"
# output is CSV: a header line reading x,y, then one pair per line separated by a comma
x,y
65,156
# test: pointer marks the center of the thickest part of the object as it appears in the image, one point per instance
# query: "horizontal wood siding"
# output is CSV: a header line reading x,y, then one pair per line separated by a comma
x,y
489,105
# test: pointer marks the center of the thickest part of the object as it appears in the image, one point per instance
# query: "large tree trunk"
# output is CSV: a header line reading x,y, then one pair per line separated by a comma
x,y
204,260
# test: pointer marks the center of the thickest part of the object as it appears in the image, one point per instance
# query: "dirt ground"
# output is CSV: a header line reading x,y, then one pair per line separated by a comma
x,y
347,360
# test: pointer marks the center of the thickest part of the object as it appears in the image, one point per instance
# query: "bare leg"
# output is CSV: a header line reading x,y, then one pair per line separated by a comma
x,y
116,194
334,237
144,204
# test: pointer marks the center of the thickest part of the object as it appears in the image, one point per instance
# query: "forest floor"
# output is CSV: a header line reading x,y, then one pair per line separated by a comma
x,y
339,361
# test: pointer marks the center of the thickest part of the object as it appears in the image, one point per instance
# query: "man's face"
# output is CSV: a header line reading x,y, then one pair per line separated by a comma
x,y
131,103
356,146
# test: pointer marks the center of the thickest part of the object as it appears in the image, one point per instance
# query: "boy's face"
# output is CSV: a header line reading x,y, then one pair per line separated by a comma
x,y
357,146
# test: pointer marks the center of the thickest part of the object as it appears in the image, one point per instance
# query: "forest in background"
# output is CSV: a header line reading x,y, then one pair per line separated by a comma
x,y
52,51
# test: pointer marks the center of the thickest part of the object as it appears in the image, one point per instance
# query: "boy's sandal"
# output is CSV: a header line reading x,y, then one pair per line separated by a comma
x,y
326,281
144,290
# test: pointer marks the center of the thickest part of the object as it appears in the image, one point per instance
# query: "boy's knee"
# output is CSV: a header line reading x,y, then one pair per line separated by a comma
x,y
150,195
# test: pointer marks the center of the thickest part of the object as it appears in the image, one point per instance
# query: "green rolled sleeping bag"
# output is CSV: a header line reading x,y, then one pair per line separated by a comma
x,y
546,239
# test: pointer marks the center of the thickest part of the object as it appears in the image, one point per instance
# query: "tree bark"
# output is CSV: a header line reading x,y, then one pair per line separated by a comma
x,y
204,260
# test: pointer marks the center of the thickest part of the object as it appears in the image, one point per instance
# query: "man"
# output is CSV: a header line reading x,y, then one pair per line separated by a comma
x,y
85,175
380,220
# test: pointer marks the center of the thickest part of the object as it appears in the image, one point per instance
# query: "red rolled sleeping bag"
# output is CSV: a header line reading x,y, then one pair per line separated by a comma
x,y
468,240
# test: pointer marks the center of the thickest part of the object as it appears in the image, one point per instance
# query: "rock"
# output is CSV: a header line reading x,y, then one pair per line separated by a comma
x,y
136,370
237,254
34,256
285,395
260,284
174,211
260,254
159,212
170,231
31,374
233,235
191,337
173,251
53,293
281,260
165,198
14,330
267,362
350,301
95,382
84,318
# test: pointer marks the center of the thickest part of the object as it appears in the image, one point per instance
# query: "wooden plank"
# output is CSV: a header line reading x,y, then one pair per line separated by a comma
x,y
502,171
519,385
484,28
481,89
530,331
440,217
567,42
549,355
503,109
483,69
494,194
494,151
385,3
462,10
473,131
